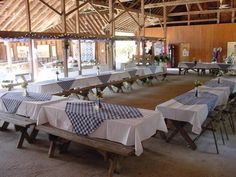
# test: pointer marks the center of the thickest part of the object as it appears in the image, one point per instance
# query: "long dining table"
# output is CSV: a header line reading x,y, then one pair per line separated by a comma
x,y
189,109
83,81
202,66
120,127
127,131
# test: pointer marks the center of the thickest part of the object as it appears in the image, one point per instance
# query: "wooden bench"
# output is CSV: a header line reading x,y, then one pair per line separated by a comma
x,y
9,84
21,124
112,151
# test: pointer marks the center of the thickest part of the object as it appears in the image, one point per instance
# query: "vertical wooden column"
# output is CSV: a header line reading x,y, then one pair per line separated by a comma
x,y
233,16
33,63
8,50
139,39
111,57
142,30
65,41
218,17
165,29
77,23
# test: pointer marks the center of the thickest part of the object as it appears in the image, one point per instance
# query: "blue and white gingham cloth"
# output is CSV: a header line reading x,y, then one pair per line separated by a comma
x,y
104,78
13,100
206,98
224,65
224,83
85,119
190,64
132,73
66,84
152,69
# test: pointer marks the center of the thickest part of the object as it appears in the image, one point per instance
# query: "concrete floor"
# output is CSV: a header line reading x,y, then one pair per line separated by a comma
x,y
160,159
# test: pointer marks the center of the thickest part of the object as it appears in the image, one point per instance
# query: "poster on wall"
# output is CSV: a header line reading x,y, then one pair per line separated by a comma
x,y
22,51
158,48
43,51
185,52
231,49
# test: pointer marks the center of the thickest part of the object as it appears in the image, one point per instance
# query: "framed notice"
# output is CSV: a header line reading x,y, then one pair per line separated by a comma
x,y
43,51
22,51
231,49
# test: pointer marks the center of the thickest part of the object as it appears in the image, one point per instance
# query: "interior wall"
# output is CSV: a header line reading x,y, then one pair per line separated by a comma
x,y
202,38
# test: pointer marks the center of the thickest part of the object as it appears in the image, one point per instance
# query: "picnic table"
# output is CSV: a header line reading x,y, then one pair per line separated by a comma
x,y
19,79
189,109
201,68
104,78
129,132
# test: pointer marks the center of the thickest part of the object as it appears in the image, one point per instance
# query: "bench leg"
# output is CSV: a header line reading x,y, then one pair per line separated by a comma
x,y
114,164
4,126
34,134
64,147
22,137
52,148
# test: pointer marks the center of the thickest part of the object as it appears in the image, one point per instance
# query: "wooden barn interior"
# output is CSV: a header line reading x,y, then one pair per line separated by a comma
x,y
129,88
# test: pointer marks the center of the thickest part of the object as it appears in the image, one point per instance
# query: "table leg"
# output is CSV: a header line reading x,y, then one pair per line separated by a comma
x,y
179,127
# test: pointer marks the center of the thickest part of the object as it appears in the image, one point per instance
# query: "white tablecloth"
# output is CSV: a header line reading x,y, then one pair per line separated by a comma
x,y
126,131
51,86
194,114
31,108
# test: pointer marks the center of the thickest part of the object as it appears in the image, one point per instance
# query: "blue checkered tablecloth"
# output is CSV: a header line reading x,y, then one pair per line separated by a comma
x,y
85,118
66,84
224,83
132,73
104,78
207,98
224,65
190,64
152,69
12,100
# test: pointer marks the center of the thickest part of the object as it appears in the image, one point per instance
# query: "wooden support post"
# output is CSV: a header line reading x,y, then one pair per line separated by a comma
x,y
218,17
34,58
111,57
139,40
9,59
77,23
65,42
165,29
30,57
233,16
142,30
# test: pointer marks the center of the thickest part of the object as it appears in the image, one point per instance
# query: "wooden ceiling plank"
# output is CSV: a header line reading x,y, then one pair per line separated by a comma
x,y
50,7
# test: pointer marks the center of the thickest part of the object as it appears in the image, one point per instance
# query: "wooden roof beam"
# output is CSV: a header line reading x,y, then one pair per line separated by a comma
x,y
201,12
199,6
104,4
50,7
176,3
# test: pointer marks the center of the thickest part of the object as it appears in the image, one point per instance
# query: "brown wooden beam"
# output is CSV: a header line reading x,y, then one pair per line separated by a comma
x,y
201,12
178,2
50,7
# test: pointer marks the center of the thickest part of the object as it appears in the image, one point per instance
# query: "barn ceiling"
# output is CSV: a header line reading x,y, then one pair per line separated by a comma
x,y
94,15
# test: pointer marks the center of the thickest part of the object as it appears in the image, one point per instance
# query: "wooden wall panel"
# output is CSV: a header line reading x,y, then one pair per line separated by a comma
x,y
202,38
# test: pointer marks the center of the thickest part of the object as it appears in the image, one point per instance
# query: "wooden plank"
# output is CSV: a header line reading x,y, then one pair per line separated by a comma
x,y
96,143
201,12
16,120
178,2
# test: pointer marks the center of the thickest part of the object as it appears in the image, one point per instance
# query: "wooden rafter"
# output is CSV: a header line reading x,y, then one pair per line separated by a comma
x,y
175,3
201,12
50,7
